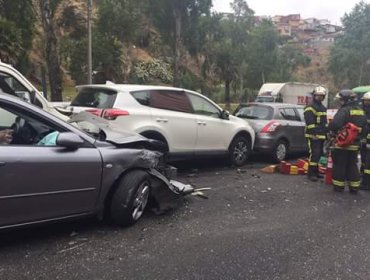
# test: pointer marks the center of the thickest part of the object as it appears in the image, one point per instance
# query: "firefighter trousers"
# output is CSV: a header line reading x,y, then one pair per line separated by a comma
x,y
363,153
366,171
315,148
345,169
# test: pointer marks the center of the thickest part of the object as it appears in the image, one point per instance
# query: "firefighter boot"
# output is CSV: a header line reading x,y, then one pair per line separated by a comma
x,y
311,174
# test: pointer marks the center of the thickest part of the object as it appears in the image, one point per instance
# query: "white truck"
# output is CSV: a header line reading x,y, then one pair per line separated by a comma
x,y
14,83
293,93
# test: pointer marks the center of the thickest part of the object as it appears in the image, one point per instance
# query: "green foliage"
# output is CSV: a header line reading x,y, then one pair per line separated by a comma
x,y
10,40
288,58
191,81
120,18
262,52
17,30
350,57
152,71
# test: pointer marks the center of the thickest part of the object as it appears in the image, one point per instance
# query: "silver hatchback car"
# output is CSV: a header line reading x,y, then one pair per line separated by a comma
x,y
51,170
279,127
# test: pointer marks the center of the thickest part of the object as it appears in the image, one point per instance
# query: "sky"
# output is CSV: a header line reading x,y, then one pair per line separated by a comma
x,y
332,10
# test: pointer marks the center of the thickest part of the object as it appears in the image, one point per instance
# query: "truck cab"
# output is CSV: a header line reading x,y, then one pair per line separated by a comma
x,y
14,83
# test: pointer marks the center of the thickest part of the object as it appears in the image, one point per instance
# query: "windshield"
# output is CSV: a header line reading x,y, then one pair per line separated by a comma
x,y
255,112
264,99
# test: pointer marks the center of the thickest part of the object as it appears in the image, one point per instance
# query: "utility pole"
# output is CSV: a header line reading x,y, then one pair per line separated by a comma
x,y
89,47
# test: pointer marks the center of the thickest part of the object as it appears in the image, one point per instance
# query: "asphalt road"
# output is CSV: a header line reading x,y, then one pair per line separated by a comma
x,y
252,226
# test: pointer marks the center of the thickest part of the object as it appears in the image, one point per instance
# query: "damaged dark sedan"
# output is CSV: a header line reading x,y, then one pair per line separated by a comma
x,y
52,170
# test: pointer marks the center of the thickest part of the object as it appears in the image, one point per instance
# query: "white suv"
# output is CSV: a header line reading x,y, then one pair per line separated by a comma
x,y
189,123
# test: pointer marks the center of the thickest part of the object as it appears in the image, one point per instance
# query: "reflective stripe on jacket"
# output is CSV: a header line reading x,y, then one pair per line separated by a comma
x,y
316,120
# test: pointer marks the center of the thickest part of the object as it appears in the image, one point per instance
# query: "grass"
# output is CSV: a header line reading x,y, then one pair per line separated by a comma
x,y
69,93
232,108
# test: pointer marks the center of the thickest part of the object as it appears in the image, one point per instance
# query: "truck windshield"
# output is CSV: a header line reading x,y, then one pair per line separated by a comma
x,y
263,99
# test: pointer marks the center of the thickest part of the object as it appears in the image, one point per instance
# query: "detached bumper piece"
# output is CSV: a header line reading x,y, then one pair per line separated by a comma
x,y
168,194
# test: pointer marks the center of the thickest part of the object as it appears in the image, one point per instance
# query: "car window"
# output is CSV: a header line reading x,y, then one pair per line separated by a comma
x,y
170,100
143,97
301,113
255,112
289,114
202,106
95,98
26,128
10,85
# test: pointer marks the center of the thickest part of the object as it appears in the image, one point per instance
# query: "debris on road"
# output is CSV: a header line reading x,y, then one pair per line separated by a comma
x,y
270,169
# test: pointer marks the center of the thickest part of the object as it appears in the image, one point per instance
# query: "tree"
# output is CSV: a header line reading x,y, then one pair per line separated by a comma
x,y
47,10
176,19
288,59
16,31
230,48
262,52
349,60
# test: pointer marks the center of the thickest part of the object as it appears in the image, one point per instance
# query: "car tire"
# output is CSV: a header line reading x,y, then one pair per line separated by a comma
x,y
280,151
130,198
239,151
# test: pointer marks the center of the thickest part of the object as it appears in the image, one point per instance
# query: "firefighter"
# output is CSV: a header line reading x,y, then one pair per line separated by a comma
x,y
345,156
315,131
366,140
365,153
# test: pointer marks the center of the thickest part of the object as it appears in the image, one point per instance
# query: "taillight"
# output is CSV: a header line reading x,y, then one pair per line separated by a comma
x,y
271,127
112,114
96,112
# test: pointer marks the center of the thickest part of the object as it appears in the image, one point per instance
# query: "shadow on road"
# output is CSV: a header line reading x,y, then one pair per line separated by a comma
x,y
209,164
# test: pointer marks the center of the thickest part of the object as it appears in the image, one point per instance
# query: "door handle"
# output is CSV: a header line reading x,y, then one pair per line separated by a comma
x,y
2,163
201,123
161,120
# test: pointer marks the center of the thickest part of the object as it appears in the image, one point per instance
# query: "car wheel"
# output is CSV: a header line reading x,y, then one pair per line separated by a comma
x,y
130,198
280,151
239,151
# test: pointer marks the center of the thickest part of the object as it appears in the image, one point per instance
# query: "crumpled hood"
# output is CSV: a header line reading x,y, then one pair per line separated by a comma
x,y
114,134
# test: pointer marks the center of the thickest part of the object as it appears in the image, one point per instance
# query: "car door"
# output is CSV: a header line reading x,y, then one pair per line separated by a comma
x,y
172,114
41,182
212,131
292,127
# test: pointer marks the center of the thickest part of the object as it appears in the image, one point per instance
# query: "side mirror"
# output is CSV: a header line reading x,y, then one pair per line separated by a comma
x,y
69,140
225,115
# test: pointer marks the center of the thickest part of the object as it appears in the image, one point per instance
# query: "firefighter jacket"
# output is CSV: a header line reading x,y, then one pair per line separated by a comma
x,y
350,112
367,130
316,120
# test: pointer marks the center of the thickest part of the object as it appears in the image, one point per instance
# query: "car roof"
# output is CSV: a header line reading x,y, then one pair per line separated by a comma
x,y
134,87
272,104
130,87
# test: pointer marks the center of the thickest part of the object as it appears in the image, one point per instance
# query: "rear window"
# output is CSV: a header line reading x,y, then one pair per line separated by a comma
x,y
255,112
95,98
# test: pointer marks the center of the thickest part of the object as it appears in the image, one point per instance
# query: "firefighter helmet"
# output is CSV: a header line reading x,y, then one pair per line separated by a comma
x,y
346,95
366,96
320,91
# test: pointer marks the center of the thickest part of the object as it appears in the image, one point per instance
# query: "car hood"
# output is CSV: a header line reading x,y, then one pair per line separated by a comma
x,y
113,133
